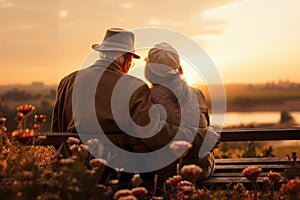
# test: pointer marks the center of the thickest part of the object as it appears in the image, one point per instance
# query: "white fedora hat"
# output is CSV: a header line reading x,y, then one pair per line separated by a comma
x,y
117,39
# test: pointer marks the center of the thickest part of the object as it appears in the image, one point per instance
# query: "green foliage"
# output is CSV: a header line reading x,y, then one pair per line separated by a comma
x,y
246,150
267,152
250,151
224,149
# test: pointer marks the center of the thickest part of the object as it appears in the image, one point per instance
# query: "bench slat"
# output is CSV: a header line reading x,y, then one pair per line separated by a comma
x,y
238,161
260,134
58,138
240,168
227,135
235,174
213,180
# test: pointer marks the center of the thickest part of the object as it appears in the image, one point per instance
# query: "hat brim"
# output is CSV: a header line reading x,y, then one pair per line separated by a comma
x,y
99,47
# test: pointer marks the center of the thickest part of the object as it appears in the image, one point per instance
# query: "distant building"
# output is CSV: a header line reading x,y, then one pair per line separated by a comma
x,y
37,83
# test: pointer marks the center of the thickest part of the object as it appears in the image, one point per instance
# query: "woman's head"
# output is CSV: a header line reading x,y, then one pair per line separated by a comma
x,y
162,63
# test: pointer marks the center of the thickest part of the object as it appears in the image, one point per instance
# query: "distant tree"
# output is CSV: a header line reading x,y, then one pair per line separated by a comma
x,y
51,94
15,94
37,96
286,117
45,104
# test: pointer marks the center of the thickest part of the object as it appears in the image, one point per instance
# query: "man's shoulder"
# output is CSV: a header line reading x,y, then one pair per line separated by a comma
x,y
70,75
67,79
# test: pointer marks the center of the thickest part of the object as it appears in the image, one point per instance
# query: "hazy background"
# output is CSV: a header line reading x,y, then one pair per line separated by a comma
x,y
249,41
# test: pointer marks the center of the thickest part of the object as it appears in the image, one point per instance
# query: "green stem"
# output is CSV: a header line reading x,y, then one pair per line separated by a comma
x,y
20,125
180,163
255,186
155,183
24,122
1,142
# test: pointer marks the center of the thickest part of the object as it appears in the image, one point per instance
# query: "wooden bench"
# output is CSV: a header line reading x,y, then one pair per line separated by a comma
x,y
230,135
227,171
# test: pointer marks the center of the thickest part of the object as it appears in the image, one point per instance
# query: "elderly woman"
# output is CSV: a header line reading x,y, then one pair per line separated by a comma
x,y
163,70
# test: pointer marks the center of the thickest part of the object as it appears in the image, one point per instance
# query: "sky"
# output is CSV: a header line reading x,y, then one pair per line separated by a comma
x,y
248,40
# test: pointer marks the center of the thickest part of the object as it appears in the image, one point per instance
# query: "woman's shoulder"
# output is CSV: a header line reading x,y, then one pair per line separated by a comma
x,y
161,94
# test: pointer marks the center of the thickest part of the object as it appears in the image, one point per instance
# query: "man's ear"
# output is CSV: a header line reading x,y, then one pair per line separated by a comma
x,y
128,62
180,69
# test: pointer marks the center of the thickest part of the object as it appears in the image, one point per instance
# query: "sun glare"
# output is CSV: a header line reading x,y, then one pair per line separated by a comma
x,y
63,13
190,75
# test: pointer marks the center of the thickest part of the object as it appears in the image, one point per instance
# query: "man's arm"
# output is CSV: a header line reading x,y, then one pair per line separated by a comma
x,y
56,115
54,121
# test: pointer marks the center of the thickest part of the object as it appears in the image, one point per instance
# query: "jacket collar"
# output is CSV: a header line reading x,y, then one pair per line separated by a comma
x,y
110,64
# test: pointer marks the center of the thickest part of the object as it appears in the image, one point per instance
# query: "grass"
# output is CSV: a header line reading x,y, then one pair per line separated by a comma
x,y
261,148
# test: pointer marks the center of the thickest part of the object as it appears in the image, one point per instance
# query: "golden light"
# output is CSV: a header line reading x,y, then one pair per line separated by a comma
x,y
63,13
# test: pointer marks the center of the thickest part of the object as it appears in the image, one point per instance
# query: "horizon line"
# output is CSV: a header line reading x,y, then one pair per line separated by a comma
x,y
41,83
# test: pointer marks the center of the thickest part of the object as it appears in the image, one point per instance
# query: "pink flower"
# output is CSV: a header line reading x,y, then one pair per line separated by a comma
x,y
40,119
191,172
252,172
26,109
92,141
73,140
186,192
122,193
136,180
98,162
191,193
274,176
180,147
203,193
139,192
2,121
173,181
184,183
27,133
102,187
291,187
129,197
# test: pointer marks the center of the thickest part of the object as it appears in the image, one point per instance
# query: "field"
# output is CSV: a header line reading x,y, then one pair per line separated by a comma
x,y
247,97
239,97
41,96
